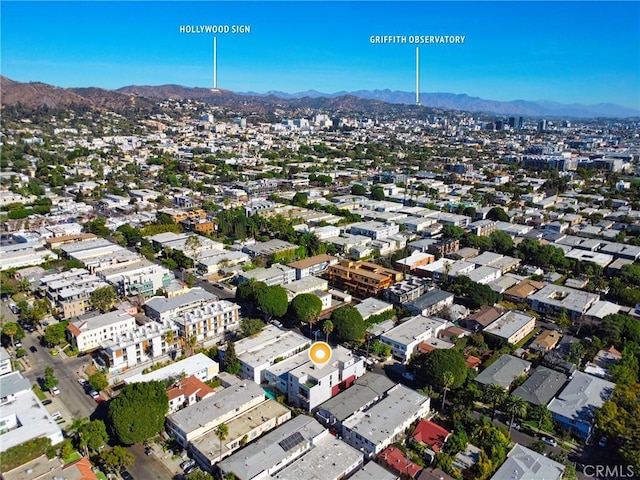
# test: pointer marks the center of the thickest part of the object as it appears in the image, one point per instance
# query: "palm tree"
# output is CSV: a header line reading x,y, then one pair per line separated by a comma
x,y
193,341
10,330
74,430
327,328
222,431
495,394
448,379
517,407
170,338
23,285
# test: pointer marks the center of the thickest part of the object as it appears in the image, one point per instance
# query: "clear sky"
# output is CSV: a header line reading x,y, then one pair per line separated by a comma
x,y
584,52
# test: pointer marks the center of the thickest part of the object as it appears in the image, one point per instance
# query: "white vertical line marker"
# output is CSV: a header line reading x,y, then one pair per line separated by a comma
x,y
215,62
417,75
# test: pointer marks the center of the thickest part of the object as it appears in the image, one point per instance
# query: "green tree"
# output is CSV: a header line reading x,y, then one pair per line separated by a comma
x,y
222,432
55,333
502,242
377,194
448,379
273,301
358,189
10,330
50,379
300,199
516,407
497,214
98,381
92,436
495,395
116,458
348,324
97,227
327,328
433,368
138,412
230,362
251,326
103,298
305,308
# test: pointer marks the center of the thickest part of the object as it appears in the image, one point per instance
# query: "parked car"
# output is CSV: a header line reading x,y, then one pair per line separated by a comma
x,y
190,469
187,464
33,349
515,425
126,475
55,391
94,394
603,442
409,376
549,441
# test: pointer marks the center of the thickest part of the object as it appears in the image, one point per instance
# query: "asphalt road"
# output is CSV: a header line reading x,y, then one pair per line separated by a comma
x,y
72,394
147,467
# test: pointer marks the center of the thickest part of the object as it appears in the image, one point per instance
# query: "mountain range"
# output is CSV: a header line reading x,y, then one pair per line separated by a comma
x,y
141,97
453,101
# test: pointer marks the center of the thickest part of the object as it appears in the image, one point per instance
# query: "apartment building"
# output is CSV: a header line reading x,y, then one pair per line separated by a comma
x,y
89,333
315,265
209,321
364,279
163,308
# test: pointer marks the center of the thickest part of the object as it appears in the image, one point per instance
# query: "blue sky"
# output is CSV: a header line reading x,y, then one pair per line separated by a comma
x,y
586,52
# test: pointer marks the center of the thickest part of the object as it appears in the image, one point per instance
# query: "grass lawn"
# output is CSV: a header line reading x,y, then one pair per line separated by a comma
x,y
72,458
39,393
101,475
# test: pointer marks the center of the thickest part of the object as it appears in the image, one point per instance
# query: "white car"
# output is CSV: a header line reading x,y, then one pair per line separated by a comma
x,y
55,391
94,394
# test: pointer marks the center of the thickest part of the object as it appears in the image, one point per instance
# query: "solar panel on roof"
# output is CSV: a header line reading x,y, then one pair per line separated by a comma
x,y
291,441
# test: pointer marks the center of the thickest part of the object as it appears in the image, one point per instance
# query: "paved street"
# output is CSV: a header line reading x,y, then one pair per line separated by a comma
x,y
151,467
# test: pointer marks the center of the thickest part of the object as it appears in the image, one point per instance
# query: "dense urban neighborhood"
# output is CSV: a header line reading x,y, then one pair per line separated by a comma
x,y
167,264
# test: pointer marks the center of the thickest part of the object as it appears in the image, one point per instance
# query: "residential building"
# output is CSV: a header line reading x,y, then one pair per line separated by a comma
x,y
503,371
242,406
199,366
211,321
165,308
555,300
212,264
364,392
374,230
305,285
444,247
293,441
373,471
89,333
431,435
22,415
413,261
137,278
187,391
430,303
575,407
267,249
364,279
393,459
406,290
541,386
268,347
520,292
546,341
5,362
523,463
276,274
405,338
372,306
143,343
374,429
313,265
512,326
483,317
308,385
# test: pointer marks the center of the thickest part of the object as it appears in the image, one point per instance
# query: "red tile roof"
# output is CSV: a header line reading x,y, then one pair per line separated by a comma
x,y
393,458
189,386
431,434
83,466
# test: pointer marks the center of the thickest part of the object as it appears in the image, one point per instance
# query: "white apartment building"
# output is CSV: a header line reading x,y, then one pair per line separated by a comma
x,y
89,333
162,308
209,321
374,429
259,352
142,344
405,338
374,230
138,278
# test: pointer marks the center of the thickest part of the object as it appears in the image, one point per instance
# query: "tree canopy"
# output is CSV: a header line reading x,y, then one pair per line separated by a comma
x,y
103,298
348,324
272,301
433,368
138,412
305,308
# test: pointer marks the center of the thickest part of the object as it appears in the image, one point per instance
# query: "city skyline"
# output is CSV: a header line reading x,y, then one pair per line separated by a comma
x,y
568,52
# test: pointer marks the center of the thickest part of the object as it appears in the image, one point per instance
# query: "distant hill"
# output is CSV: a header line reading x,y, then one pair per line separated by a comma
x,y
136,98
37,94
452,101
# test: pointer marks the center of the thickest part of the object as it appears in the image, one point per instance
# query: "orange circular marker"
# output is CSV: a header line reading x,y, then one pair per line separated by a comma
x,y
320,354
